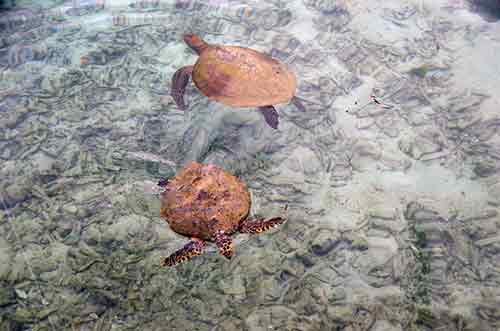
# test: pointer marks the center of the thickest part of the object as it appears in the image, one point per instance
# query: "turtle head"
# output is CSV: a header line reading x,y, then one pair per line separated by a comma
x,y
163,182
195,42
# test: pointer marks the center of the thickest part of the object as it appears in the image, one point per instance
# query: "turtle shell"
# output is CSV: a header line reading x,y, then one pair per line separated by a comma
x,y
242,77
202,199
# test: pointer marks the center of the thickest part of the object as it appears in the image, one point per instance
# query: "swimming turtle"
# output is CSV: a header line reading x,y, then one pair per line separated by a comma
x,y
237,77
206,203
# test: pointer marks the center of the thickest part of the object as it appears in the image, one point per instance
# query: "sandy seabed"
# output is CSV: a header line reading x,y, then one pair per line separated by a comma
x,y
391,175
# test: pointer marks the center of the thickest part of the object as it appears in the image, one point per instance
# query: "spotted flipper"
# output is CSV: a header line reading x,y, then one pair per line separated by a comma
x,y
260,225
225,244
179,83
186,253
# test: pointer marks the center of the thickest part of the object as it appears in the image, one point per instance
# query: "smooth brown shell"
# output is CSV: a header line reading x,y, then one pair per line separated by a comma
x,y
242,77
202,199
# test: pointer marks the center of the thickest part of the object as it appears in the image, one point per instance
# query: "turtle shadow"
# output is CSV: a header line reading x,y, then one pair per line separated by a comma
x,y
226,137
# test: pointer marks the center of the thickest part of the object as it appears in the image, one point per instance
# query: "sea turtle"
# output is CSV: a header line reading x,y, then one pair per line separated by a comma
x,y
237,77
206,203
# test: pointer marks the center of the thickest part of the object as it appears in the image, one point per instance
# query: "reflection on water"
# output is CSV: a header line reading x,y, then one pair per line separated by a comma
x,y
391,174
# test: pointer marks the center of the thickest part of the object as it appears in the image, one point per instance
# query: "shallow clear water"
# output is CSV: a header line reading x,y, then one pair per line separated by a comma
x,y
391,174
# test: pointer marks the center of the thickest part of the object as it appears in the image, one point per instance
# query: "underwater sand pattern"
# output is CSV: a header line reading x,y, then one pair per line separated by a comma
x,y
391,176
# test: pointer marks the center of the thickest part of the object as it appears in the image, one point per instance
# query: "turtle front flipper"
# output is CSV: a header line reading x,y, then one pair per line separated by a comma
x,y
225,244
186,253
179,83
271,116
260,225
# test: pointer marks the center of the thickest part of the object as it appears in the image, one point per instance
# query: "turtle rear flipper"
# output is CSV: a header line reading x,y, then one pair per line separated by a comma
x,y
186,253
270,115
225,244
260,225
179,83
298,103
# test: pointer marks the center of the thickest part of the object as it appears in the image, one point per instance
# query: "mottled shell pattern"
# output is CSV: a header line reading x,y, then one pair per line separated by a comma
x,y
242,77
203,199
